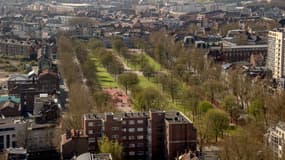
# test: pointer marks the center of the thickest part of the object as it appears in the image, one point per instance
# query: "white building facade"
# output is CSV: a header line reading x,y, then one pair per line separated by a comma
x,y
10,130
276,54
276,139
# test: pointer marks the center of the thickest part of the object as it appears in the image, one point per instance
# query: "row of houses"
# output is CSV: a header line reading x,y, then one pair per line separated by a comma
x,y
12,47
28,49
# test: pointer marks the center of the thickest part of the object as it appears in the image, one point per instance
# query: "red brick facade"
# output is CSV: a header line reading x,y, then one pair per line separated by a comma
x,y
154,135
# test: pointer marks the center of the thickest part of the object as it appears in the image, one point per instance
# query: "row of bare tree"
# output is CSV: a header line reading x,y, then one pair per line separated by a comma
x,y
80,99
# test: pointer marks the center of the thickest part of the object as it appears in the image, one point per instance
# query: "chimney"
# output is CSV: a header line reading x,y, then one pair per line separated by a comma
x,y
109,116
68,134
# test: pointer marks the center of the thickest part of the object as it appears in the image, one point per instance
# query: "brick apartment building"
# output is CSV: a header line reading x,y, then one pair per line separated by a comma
x,y
73,142
13,47
154,135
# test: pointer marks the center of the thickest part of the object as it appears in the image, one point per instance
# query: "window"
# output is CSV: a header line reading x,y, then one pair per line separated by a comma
x,y
90,124
100,134
139,129
132,153
124,129
140,121
140,137
115,136
131,122
131,137
90,131
7,141
140,153
131,130
132,145
140,145
124,137
13,144
115,128
91,140
124,122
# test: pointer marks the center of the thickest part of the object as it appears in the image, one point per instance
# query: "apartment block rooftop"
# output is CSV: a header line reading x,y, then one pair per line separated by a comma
x,y
119,116
176,117
91,156
14,41
170,117
281,125
11,120
16,151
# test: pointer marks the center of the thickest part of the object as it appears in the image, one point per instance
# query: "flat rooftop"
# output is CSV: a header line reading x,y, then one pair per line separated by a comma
x,y
119,116
90,156
16,151
13,41
11,120
176,117
263,46
170,117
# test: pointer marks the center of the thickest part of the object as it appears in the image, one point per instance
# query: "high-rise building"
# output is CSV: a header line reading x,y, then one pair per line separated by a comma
x,y
276,54
276,139
153,135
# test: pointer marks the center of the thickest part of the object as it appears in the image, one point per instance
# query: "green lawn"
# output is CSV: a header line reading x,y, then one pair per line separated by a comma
x,y
153,63
144,83
234,130
105,79
133,66
137,66
205,1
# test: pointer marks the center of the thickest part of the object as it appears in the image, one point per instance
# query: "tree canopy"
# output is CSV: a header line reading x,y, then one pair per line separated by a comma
x,y
128,80
113,147
204,107
218,122
150,98
119,46
231,106
257,109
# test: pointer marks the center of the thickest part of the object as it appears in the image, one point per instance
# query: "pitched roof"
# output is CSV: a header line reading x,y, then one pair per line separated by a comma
x,y
18,77
10,104
4,99
281,125
48,72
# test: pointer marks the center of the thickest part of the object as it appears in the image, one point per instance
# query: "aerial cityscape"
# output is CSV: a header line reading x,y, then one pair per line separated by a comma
x,y
142,79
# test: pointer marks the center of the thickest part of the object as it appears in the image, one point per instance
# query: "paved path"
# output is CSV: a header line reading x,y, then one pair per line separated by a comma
x,y
121,109
126,67
83,79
